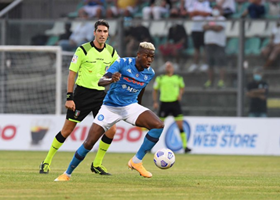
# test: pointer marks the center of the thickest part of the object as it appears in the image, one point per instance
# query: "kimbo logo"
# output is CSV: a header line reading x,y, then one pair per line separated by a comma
x,y
172,137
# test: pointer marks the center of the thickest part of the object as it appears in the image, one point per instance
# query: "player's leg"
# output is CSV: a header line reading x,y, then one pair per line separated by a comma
x,y
94,134
177,113
104,145
56,144
82,99
145,118
99,126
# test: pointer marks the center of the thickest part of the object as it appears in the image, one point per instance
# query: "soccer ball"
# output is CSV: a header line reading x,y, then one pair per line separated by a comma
x,y
164,158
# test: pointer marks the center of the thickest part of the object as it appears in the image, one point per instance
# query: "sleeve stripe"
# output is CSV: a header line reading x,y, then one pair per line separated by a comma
x,y
113,52
85,52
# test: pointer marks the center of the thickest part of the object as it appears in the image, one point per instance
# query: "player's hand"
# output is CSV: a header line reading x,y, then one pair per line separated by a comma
x,y
70,105
116,77
155,105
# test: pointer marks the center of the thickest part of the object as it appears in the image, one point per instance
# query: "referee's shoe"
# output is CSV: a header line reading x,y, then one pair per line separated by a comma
x,y
99,170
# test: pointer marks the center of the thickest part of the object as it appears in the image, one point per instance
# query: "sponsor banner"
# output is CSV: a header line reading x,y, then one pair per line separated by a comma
x,y
205,135
224,135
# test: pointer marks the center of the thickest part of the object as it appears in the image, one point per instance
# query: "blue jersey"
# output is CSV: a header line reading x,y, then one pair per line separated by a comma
x,y
126,90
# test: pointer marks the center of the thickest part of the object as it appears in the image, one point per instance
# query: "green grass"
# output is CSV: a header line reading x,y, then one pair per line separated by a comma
x,y
192,177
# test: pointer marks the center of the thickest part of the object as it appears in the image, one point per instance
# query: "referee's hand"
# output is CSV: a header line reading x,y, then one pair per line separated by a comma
x,y
70,105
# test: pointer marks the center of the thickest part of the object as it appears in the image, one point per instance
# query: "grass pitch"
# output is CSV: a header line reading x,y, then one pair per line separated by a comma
x,y
191,177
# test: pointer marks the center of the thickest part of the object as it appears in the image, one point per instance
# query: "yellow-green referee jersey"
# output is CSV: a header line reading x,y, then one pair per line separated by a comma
x,y
91,64
169,87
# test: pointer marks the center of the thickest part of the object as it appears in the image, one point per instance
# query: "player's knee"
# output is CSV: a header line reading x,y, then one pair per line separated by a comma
x,y
159,125
88,144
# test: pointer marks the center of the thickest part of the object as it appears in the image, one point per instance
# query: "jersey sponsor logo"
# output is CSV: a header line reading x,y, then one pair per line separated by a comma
x,y
100,117
107,63
99,58
130,89
172,137
74,58
133,81
91,61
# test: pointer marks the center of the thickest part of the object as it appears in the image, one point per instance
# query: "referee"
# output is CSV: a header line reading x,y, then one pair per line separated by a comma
x,y
171,89
88,65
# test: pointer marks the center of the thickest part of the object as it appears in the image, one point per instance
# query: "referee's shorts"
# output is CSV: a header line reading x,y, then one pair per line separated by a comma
x,y
170,108
86,101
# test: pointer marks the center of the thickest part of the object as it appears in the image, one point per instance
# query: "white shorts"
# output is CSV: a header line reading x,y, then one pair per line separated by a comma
x,y
109,115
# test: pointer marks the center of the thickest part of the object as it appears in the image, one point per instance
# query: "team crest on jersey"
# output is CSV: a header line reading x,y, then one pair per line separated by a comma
x,y
74,59
145,77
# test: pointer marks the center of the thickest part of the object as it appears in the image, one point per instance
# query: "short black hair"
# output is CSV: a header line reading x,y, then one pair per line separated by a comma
x,y
101,22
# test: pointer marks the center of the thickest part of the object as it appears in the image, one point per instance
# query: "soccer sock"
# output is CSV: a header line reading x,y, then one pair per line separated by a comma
x,y
56,144
79,156
149,142
184,138
103,147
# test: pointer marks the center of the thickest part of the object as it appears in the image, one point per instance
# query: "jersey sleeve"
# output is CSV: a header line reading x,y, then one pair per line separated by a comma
x,y
115,67
115,57
77,60
156,83
181,82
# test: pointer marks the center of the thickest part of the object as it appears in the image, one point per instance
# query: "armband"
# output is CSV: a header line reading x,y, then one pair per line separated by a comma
x,y
69,96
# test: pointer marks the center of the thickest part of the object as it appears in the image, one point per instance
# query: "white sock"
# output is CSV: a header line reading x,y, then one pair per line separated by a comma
x,y
136,160
69,175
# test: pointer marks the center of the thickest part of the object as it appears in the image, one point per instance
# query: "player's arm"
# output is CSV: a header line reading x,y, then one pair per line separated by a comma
x,y
140,95
69,104
109,78
181,92
155,98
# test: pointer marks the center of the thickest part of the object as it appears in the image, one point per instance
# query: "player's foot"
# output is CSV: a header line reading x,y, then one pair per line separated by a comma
x,y
99,170
221,84
187,150
139,167
63,177
44,168
207,84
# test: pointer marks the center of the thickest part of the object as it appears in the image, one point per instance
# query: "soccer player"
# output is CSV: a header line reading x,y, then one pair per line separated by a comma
x,y
128,78
171,89
90,61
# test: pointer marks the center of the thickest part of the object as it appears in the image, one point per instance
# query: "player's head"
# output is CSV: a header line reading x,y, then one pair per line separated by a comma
x,y
145,55
101,31
169,69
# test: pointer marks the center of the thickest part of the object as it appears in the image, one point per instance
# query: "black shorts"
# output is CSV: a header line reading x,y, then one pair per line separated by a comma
x,y
198,39
170,108
86,101
216,56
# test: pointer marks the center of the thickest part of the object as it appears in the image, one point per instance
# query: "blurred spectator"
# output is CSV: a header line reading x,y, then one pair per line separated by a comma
x,y
156,9
66,35
94,8
227,7
257,91
274,8
255,10
134,35
272,50
124,8
198,10
215,42
177,41
82,33
181,10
